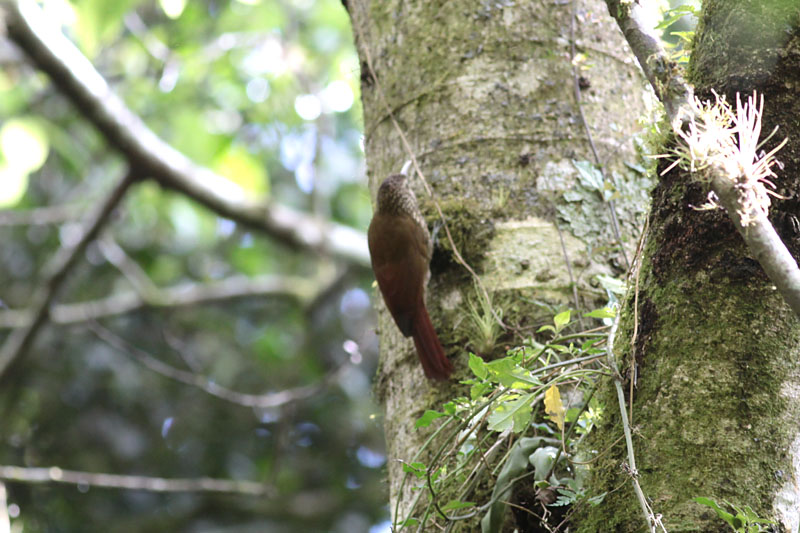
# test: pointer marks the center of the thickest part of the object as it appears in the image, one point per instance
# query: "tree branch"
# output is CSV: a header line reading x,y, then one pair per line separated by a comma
x,y
676,94
184,295
269,400
55,474
19,340
77,79
664,75
56,214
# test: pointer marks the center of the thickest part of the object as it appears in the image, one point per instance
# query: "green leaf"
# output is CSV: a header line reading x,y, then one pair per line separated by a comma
x,y
566,497
722,513
612,285
604,312
673,15
516,465
456,504
596,500
479,389
542,460
514,414
99,21
478,367
588,344
589,175
685,36
571,414
428,417
417,469
561,319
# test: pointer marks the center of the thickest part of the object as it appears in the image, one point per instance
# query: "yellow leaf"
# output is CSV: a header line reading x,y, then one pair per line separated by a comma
x,y
553,406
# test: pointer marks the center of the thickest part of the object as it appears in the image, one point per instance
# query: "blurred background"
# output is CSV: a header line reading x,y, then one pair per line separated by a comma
x,y
265,93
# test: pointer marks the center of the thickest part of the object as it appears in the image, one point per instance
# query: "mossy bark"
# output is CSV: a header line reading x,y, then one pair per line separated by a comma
x,y
484,93
715,350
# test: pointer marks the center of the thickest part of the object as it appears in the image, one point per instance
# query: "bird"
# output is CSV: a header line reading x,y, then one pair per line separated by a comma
x,y
400,249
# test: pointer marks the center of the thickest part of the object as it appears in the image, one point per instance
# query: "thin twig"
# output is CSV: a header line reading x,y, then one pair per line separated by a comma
x,y
637,262
55,474
567,262
116,255
576,92
649,515
63,262
269,400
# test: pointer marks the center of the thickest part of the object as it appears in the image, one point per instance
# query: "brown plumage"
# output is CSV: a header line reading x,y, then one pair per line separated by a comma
x,y
400,248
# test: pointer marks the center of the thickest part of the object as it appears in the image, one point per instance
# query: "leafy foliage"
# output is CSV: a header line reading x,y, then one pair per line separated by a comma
x,y
501,427
741,520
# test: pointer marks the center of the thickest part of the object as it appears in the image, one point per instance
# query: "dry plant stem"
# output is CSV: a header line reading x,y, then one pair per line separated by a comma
x,y
19,340
576,92
649,516
478,409
77,79
637,264
567,262
677,96
427,443
116,255
269,400
152,484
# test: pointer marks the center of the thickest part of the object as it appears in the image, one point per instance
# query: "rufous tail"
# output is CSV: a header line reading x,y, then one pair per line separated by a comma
x,y
431,354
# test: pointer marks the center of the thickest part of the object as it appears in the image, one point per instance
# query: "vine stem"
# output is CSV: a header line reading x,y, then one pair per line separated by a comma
x,y
652,519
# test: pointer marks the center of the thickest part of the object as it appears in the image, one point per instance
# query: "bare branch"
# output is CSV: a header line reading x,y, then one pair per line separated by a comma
x,y
137,277
269,400
40,216
664,75
55,474
53,53
763,242
667,80
184,295
19,340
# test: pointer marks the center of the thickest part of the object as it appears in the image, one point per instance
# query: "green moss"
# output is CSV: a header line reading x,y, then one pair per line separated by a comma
x,y
708,407
470,230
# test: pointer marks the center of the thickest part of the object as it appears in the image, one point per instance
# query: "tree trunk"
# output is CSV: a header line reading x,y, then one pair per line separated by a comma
x,y
716,400
484,94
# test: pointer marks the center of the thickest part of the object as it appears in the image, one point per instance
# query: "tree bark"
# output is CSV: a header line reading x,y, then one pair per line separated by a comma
x,y
715,348
484,93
